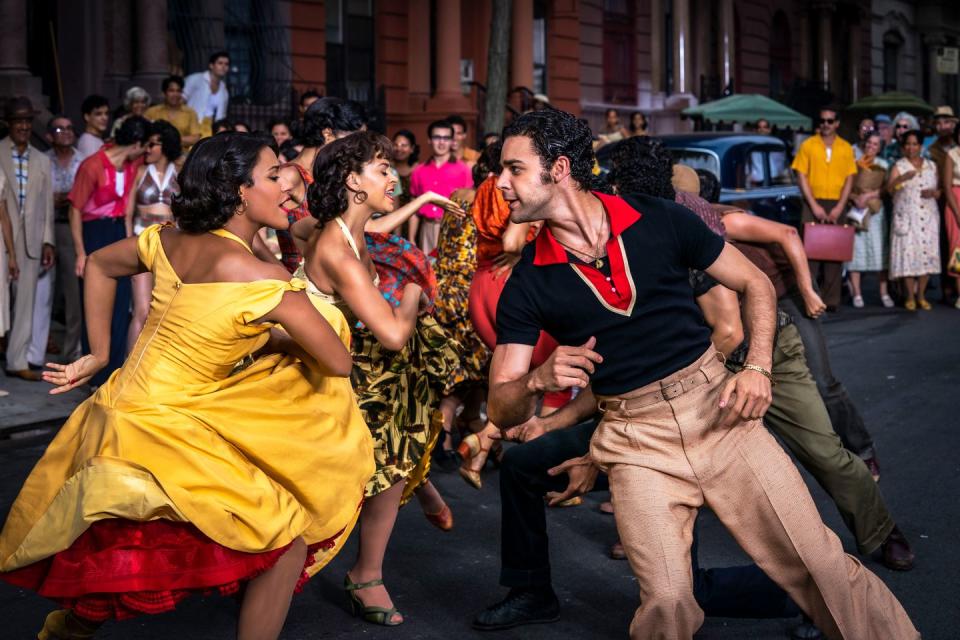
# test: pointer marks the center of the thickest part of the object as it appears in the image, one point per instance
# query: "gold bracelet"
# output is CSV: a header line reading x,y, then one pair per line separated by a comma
x,y
762,371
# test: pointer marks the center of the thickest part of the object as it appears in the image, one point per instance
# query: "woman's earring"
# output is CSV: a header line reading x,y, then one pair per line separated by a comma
x,y
243,208
359,197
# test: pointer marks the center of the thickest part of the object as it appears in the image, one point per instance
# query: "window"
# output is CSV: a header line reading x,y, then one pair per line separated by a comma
x,y
350,58
540,47
892,43
619,52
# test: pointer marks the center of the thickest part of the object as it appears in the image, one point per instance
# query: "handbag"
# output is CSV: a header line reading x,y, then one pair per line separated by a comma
x,y
954,265
828,242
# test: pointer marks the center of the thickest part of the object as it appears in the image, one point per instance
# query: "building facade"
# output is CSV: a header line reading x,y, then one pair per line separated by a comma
x,y
413,61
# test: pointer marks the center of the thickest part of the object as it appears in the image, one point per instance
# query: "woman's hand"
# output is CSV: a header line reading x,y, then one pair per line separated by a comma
x,y
909,175
930,193
65,377
80,264
444,203
504,263
13,270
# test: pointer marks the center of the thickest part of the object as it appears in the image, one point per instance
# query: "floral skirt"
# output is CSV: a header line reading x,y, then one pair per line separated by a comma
x,y
398,393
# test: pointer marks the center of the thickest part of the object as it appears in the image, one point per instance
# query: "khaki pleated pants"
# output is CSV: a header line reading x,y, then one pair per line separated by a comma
x,y
667,457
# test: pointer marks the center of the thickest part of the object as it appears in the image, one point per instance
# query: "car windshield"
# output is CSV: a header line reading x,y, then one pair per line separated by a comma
x,y
764,166
697,159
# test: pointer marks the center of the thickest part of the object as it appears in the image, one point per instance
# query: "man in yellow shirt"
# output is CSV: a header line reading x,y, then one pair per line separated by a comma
x,y
825,168
174,111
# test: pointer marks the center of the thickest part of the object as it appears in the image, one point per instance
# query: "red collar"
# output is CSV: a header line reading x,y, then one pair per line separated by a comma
x,y
620,214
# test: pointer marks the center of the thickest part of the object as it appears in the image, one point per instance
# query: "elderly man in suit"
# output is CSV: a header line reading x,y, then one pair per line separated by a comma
x,y
29,203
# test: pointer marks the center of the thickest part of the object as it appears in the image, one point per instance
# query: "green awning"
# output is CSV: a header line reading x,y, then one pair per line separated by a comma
x,y
749,107
890,103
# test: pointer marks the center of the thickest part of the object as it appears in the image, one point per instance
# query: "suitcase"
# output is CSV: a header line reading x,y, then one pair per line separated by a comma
x,y
828,242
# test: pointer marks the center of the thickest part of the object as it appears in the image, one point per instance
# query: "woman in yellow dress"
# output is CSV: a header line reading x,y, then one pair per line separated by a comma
x,y
185,472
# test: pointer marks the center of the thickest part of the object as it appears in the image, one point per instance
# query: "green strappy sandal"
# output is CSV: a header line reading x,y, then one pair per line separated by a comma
x,y
375,615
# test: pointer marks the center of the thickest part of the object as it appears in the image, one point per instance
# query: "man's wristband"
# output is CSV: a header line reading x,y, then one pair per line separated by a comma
x,y
762,371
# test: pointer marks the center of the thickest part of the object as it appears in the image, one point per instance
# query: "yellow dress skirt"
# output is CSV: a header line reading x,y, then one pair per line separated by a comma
x,y
185,473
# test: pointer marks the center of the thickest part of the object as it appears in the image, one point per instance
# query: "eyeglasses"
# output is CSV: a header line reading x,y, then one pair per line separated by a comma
x,y
440,138
69,127
827,120
150,145
903,126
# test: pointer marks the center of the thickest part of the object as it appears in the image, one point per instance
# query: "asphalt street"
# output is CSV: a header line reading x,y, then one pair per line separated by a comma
x,y
902,369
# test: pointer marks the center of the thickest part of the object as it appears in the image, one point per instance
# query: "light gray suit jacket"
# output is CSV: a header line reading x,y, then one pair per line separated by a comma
x,y
34,226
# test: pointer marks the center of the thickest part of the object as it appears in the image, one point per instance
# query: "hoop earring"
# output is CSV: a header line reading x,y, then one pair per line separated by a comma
x,y
243,208
359,197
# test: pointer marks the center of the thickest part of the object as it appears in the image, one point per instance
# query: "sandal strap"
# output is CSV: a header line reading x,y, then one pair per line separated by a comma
x,y
350,585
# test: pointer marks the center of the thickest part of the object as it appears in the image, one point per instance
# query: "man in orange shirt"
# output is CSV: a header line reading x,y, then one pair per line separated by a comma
x,y
825,167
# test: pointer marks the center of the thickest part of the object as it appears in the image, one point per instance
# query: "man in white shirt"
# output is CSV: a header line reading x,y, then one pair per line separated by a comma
x,y
96,117
206,91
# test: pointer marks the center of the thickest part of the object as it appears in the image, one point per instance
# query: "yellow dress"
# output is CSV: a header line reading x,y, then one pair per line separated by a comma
x,y
253,458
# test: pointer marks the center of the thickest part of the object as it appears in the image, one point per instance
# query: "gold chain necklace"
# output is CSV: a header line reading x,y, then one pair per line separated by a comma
x,y
597,257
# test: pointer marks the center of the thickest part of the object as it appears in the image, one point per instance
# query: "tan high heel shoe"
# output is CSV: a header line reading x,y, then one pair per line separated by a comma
x,y
62,625
471,450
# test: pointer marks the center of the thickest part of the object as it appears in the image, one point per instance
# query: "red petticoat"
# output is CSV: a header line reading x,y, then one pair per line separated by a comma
x,y
119,569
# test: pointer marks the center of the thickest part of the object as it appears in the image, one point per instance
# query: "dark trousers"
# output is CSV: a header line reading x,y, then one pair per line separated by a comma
x,y
844,416
96,235
799,417
827,275
736,592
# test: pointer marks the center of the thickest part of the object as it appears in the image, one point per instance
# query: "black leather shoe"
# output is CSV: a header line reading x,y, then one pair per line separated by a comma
x,y
897,554
521,606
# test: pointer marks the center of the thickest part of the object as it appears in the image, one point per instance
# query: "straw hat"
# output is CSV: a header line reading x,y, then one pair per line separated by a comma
x,y
685,179
944,112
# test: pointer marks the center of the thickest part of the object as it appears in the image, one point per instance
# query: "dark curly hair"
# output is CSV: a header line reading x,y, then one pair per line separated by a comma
x,y
642,165
329,196
133,130
336,114
170,143
211,178
912,133
556,133
709,186
487,163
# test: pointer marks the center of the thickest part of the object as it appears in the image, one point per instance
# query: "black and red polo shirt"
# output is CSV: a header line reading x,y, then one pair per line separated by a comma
x,y
639,304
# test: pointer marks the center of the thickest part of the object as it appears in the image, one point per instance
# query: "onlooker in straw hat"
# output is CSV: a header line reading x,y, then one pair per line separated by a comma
x,y
944,123
29,203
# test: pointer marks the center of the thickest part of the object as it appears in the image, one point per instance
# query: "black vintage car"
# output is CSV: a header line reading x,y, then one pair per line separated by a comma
x,y
754,170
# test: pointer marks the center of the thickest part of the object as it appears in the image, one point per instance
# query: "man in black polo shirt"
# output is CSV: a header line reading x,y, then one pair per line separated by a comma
x,y
679,431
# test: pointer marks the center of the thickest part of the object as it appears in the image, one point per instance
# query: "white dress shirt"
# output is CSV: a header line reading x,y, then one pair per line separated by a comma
x,y
196,90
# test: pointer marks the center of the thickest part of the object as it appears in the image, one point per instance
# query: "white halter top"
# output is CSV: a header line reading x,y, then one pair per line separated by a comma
x,y
312,288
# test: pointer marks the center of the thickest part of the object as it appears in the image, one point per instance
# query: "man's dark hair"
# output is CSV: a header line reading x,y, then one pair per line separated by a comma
x,y
415,154
556,133
216,56
58,116
277,121
834,109
211,178
288,150
455,119
223,123
169,80
756,125
329,196
133,130
709,186
170,144
336,114
92,102
310,93
642,165
438,124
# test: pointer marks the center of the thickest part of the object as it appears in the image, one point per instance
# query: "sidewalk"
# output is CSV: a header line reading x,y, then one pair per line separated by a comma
x,y
30,411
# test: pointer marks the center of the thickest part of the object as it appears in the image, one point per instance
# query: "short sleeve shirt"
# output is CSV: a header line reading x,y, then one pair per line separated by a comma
x,y
443,179
826,169
99,191
638,304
